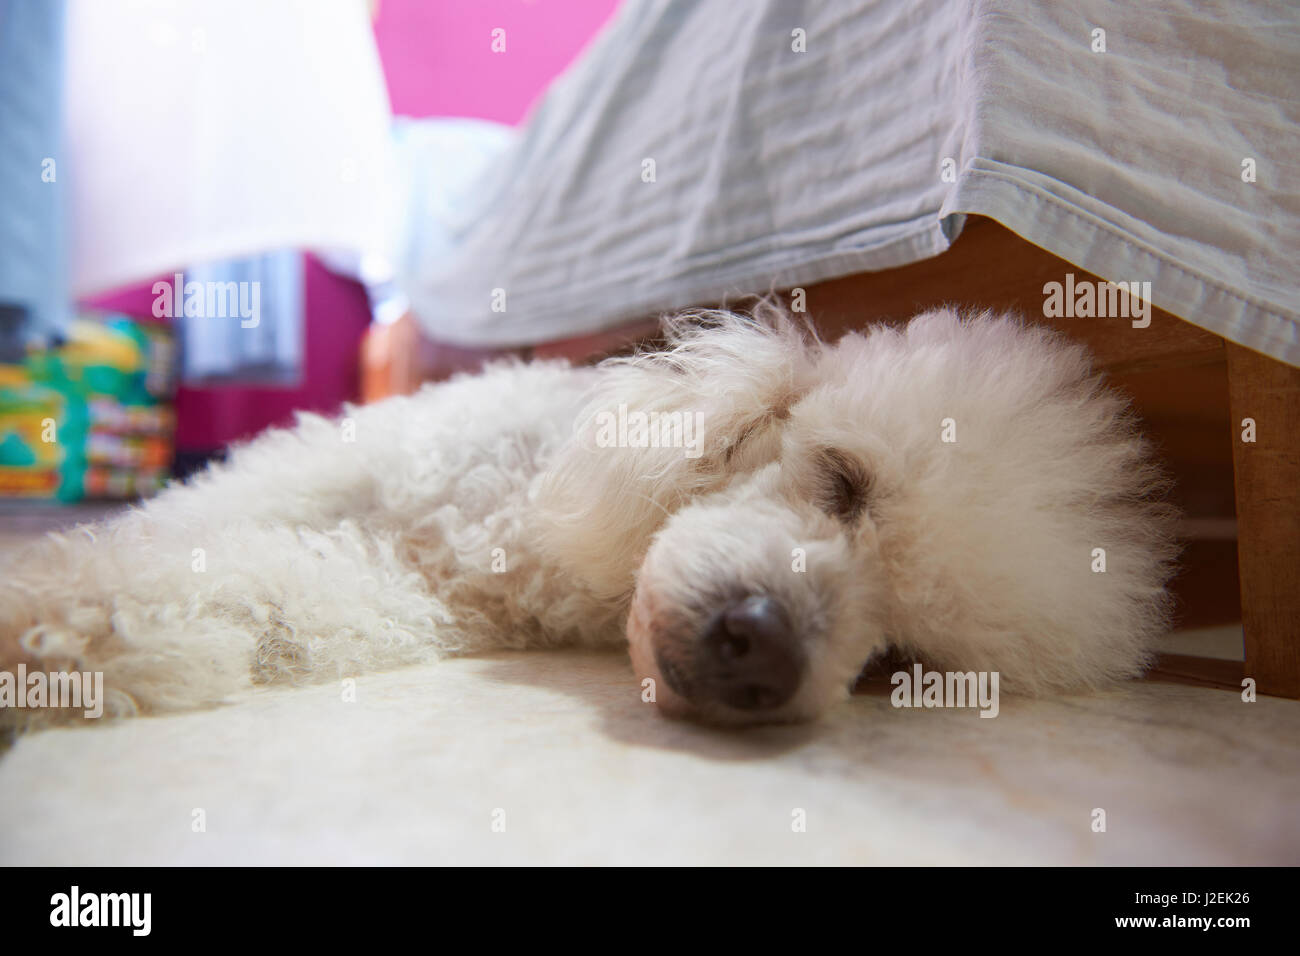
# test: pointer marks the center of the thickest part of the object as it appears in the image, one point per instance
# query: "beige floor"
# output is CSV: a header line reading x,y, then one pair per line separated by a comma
x,y
561,748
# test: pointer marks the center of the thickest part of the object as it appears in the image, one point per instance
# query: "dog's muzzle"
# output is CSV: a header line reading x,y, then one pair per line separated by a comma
x,y
748,657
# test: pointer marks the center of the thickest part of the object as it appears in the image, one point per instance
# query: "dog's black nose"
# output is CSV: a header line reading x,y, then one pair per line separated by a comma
x,y
751,658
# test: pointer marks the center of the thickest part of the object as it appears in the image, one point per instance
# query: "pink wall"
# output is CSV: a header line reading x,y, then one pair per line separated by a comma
x,y
437,61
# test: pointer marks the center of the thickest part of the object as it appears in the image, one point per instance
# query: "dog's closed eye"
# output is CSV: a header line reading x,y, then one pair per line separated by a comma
x,y
843,484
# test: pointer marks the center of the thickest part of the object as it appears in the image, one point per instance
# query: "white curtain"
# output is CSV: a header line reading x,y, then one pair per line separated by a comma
x,y
204,130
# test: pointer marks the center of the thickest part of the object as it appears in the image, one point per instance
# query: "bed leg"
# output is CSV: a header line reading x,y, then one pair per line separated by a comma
x,y
1267,478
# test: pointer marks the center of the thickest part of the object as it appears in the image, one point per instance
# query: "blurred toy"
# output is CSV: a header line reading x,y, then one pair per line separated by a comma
x,y
91,417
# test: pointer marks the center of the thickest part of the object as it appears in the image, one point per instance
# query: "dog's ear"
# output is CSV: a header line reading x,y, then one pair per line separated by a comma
x,y
665,426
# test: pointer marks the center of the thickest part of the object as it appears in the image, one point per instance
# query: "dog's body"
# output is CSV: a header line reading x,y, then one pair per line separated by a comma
x,y
942,490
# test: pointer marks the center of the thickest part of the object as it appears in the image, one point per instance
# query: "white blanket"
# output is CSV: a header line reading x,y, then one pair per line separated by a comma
x,y
553,758
703,148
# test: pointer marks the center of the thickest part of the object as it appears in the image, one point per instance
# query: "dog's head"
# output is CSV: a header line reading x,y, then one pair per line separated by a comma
x,y
720,491
771,512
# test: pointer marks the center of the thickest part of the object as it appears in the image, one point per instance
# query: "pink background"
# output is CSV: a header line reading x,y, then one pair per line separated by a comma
x,y
437,61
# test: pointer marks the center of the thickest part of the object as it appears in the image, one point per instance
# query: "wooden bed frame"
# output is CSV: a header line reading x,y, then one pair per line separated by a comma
x,y
1191,387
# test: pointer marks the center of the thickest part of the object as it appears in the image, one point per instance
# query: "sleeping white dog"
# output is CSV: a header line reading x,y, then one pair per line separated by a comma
x,y
756,513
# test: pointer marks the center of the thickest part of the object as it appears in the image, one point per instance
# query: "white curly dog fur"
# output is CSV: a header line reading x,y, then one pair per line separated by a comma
x,y
826,517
